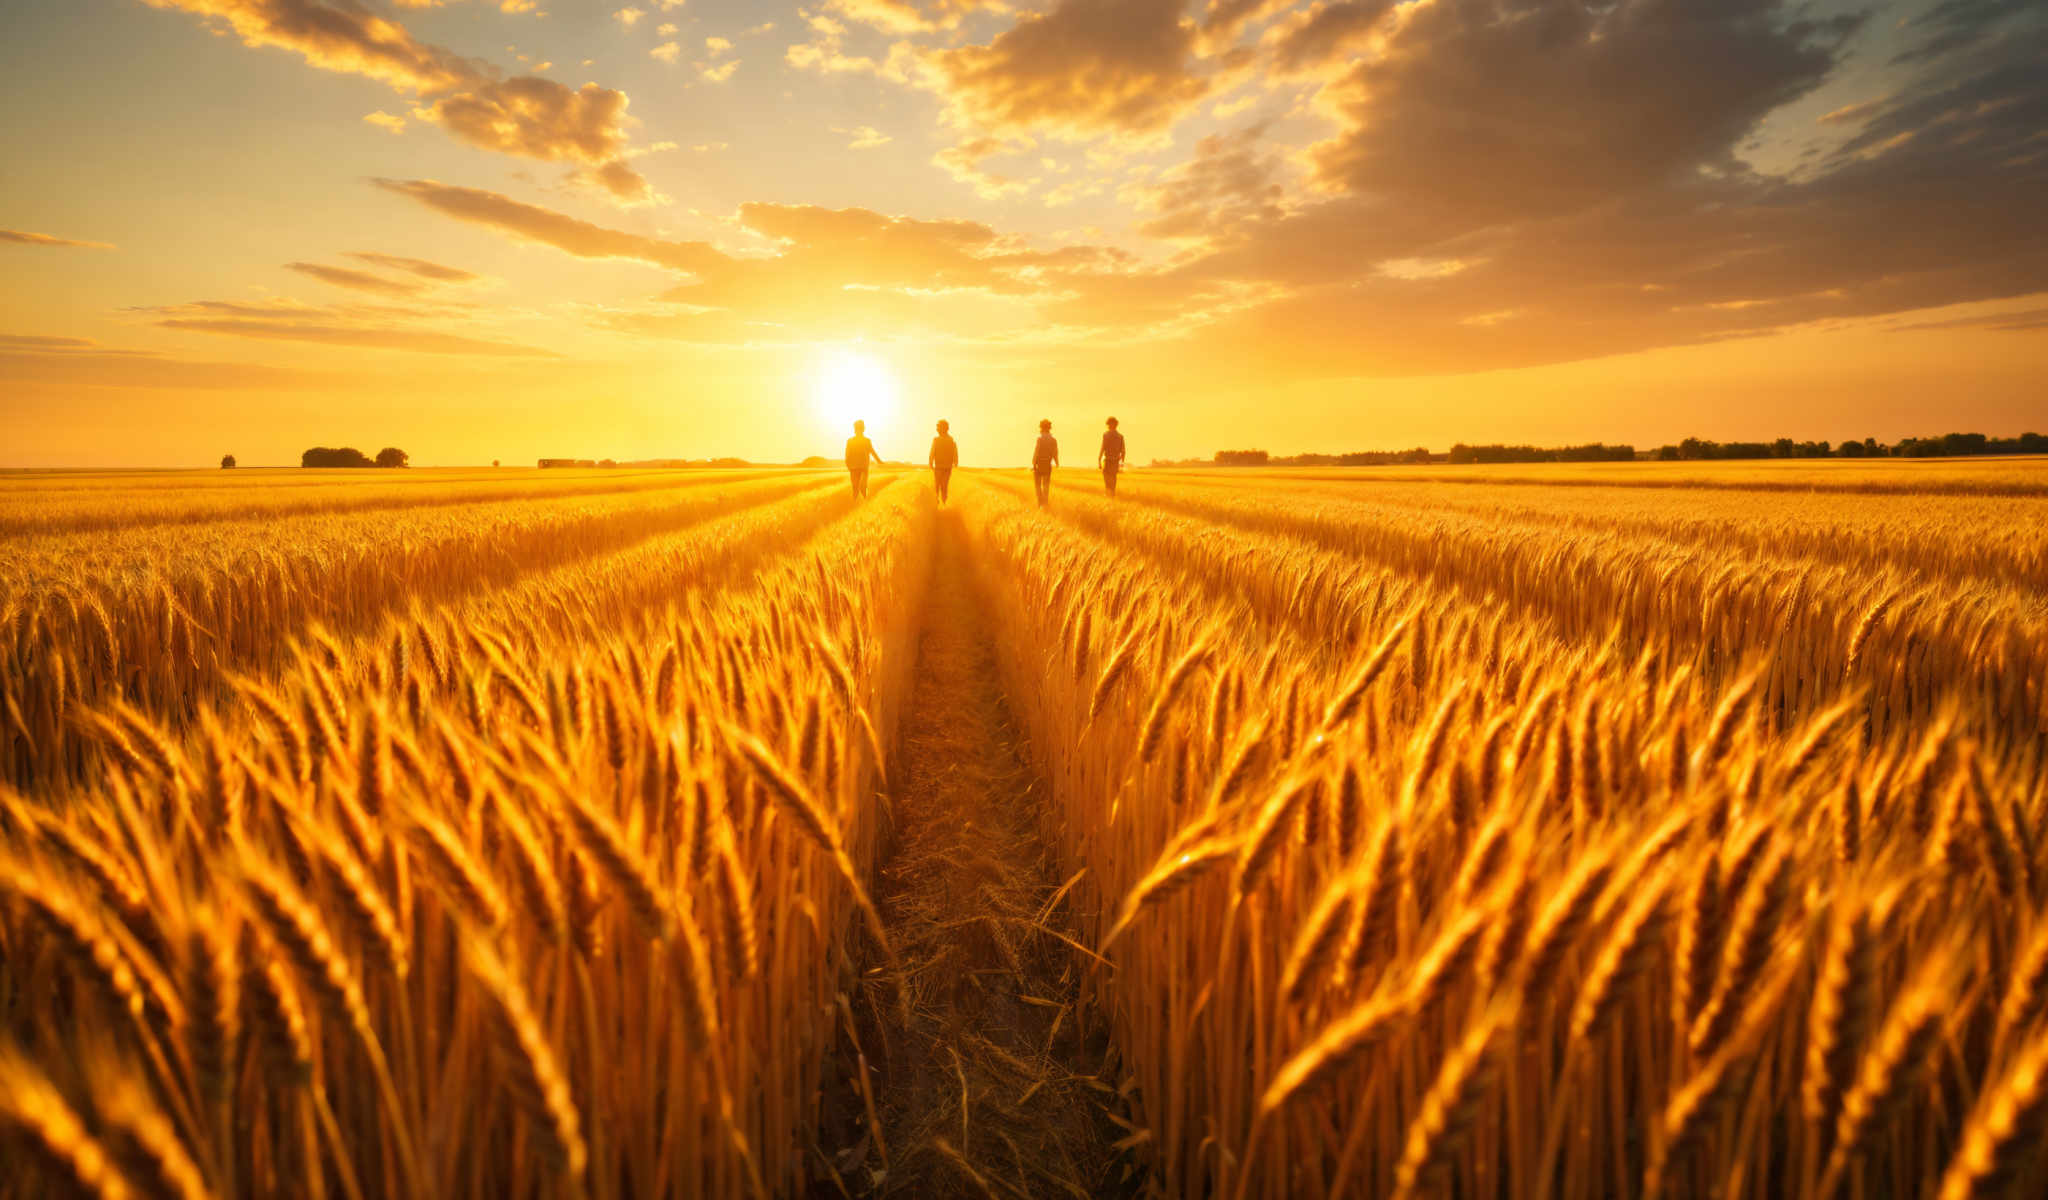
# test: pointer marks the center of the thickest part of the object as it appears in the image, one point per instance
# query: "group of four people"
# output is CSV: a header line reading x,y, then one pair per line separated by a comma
x,y
945,456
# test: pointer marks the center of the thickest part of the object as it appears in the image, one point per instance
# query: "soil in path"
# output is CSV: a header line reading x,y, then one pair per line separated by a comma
x,y
990,1088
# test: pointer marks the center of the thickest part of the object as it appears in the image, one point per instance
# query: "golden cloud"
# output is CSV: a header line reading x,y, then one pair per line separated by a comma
x,y
526,115
21,238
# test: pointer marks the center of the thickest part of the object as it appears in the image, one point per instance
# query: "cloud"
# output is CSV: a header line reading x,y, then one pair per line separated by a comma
x,y
567,234
831,272
415,266
363,326
626,187
1231,183
667,52
1225,18
525,115
91,365
912,16
536,118
42,342
1322,34
2023,321
718,74
1083,68
1481,202
361,281
415,340
385,120
630,17
1850,114
20,238
865,137
963,162
1505,108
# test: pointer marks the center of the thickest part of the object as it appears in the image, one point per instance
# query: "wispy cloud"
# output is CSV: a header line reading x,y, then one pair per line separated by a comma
x,y
21,238
364,326
361,281
415,266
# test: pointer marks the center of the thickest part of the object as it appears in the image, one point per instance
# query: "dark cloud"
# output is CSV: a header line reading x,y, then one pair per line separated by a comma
x,y
1085,67
1504,109
361,281
1962,24
20,238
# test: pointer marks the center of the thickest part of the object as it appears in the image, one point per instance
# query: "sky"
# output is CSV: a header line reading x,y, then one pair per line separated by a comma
x,y
505,229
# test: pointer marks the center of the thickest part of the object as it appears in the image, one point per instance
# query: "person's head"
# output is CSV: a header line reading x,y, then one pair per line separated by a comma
x,y
1112,422
1045,427
860,426
943,426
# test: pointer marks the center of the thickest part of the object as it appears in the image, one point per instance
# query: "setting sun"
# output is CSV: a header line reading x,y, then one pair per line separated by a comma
x,y
850,386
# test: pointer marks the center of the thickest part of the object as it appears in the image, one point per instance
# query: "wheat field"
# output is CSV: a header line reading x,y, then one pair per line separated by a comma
x,y
1533,833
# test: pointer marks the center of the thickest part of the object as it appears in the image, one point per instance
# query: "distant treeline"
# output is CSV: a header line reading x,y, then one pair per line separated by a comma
x,y
1357,458
1497,453
645,462
1947,445
349,456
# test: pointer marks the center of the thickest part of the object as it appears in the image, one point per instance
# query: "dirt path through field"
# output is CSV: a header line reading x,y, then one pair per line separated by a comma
x,y
990,1089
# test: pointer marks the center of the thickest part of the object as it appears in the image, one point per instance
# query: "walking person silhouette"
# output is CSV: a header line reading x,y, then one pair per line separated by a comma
x,y
1111,456
943,458
859,451
1044,457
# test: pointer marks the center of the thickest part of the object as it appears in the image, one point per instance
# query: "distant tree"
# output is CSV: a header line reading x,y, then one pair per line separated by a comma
x,y
1242,458
1852,449
606,462
326,456
392,456
494,462
227,462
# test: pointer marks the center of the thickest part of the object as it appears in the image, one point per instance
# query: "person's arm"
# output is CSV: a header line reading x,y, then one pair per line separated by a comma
x,y
931,458
875,454
1055,452
1102,455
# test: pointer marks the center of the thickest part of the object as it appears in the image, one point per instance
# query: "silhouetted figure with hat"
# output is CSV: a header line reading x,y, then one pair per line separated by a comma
x,y
1111,457
943,458
859,452
1044,457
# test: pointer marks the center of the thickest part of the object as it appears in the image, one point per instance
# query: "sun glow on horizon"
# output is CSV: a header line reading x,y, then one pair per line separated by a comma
x,y
852,385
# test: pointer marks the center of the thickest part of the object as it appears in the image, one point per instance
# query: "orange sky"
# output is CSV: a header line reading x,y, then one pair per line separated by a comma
x,y
487,229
